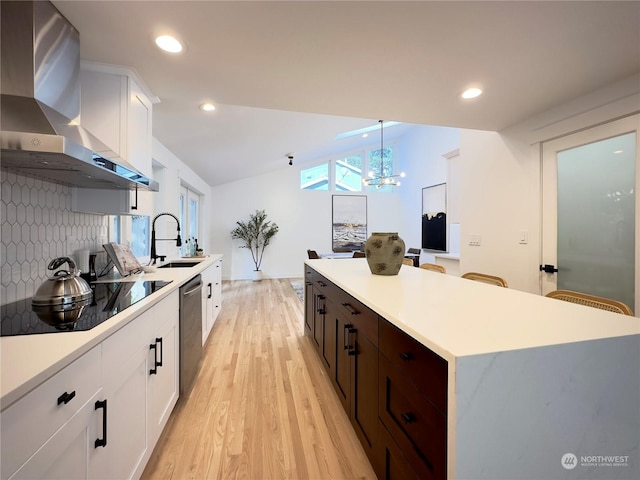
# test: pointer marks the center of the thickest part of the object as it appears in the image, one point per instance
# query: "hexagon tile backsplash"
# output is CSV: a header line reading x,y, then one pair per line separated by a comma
x,y
37,226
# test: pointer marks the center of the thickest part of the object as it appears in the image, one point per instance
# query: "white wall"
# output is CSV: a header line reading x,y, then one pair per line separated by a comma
x,y
304,217
171,173
500,183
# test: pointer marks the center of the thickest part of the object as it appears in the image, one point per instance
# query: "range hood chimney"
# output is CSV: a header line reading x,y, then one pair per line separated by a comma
x,y
40,104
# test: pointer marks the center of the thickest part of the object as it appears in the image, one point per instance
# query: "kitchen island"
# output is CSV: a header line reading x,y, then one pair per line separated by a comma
x,y
535,387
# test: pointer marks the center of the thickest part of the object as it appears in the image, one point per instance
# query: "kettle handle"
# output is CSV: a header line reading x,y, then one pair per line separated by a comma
x,y
57,262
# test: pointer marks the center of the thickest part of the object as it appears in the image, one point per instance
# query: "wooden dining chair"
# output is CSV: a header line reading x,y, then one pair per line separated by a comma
x,y
407,261
433,267
312,254
483,277
591,301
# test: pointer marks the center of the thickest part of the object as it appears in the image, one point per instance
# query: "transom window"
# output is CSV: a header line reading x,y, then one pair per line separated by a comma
x,y
347,172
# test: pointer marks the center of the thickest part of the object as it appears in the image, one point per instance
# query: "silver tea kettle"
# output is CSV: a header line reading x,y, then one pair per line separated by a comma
x,y
65,287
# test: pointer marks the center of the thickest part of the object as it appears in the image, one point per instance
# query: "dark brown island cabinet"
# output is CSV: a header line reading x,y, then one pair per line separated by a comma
x,y
393,389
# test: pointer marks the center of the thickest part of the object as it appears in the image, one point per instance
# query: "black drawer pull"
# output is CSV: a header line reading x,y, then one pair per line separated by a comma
x,y
102,442
350,309
408,417
66,397
210,291
321,283
406,356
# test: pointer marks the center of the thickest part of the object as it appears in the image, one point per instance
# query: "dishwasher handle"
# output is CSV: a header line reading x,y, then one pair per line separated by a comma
x,y
193,290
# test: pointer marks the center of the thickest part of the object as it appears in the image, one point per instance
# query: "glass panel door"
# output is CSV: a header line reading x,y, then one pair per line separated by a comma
x,y
589,179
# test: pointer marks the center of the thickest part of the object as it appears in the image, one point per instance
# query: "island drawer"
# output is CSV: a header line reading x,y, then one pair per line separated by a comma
x,y
28,423
414,422
425,369
357,313
392,464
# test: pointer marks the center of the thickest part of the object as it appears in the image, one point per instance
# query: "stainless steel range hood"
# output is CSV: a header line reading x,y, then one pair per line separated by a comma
x,y
40,104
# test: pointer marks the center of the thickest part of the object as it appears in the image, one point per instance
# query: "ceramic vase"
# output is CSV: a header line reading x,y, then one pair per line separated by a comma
x,y
256,275
385,251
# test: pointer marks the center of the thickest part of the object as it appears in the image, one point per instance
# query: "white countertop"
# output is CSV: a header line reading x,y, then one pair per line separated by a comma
x,y
456,317
28,360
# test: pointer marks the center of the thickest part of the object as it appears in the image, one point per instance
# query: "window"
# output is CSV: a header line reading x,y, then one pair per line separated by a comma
x,y
348,174
387,166
140,236
134,231
189,217
315,178
349,171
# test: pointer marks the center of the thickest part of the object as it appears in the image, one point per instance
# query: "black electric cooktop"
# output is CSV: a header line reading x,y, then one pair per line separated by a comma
x,y
109,299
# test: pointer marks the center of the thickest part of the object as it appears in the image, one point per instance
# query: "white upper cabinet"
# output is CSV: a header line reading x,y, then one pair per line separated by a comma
x,y
115,108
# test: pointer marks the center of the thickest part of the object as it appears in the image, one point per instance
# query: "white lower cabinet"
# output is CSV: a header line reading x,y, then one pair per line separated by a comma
x,y
163,380
101,416
64,455
125,361
211,297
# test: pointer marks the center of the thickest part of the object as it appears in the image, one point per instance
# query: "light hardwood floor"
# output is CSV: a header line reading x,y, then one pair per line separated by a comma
x,y
262,406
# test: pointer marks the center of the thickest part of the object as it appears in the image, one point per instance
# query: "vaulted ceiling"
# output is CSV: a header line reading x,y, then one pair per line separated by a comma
x,y
290,76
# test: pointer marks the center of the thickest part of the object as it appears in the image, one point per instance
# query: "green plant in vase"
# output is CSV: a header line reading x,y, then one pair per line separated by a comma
x,y
256,234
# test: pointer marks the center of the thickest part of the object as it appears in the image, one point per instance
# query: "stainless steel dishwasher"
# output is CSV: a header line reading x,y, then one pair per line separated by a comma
x,y
190,332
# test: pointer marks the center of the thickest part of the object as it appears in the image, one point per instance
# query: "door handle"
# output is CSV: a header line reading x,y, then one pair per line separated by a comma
x,y
548,268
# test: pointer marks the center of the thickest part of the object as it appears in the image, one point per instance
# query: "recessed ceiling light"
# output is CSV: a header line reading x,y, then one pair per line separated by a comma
x,y
169,44
365,135
618,152
471,93
207,107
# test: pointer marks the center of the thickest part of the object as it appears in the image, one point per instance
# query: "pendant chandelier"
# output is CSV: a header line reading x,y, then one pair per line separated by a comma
x,y
382,180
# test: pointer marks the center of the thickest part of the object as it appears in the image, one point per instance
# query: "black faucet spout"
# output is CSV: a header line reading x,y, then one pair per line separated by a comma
x,y
154,254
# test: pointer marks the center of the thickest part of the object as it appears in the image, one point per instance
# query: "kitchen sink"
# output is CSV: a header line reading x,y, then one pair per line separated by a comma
x,y
179,265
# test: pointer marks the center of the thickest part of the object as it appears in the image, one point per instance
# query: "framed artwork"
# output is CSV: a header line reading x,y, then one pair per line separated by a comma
x,y
434,218
349,222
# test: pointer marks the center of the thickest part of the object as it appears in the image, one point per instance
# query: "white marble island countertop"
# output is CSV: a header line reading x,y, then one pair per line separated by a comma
x,y
28,360
530,379
457,317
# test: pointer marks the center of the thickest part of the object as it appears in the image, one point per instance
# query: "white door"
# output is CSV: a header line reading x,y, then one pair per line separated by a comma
x,y
590,212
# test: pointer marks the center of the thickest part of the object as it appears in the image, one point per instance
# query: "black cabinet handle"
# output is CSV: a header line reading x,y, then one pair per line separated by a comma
x,y
156,363
135,207
66,397
320,308
350,309
406,356
154,370
321,283
159,340
348,330
408,417
345,335
210,291
102,442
